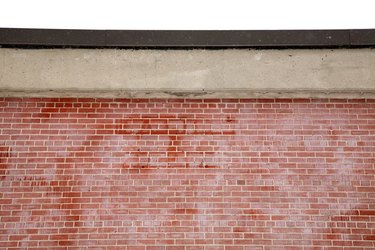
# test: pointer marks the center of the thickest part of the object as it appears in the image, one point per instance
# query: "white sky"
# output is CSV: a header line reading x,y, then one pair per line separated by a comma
x,y
188,14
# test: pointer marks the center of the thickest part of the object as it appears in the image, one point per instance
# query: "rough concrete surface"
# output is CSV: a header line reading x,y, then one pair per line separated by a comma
x,y
188,73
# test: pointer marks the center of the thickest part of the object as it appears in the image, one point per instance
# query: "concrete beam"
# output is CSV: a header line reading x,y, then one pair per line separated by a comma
x,y
346,73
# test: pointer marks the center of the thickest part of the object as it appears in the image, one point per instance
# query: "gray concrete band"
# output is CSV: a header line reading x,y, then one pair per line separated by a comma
x,y
343,73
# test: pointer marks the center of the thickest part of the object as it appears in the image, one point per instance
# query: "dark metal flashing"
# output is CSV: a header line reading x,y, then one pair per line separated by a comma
x,y
183,39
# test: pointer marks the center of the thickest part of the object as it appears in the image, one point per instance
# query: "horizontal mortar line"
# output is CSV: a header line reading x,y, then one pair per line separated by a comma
x,y
196,90
20,179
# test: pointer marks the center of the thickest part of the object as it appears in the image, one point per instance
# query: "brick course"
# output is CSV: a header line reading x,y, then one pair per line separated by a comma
x,y
187,173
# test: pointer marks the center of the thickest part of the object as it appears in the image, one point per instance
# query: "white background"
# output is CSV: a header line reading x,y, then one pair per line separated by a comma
x,y
188,14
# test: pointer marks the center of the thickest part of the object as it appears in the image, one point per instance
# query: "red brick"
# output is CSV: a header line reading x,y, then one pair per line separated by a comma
x,y
187,173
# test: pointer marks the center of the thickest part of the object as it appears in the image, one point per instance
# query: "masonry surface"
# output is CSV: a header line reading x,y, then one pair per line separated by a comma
x,y
94,173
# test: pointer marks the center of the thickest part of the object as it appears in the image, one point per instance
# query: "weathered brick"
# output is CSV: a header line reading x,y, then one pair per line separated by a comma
x,y
187,173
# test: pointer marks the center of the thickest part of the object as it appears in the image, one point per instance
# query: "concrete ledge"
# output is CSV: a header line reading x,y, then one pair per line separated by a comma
x,y
346,73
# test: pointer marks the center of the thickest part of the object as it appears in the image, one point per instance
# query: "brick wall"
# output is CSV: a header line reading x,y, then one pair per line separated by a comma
x,y
187,174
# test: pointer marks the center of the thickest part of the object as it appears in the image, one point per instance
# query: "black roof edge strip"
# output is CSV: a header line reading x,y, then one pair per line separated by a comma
x,y
185,39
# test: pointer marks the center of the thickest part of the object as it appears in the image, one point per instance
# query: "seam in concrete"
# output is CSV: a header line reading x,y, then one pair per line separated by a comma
x,y
198,93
